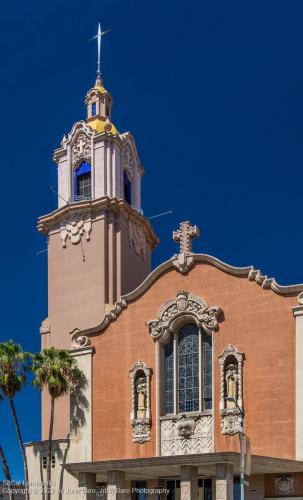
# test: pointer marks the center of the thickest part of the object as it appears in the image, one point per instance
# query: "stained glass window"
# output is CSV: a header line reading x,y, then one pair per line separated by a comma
x,y
169,379
207,371
188,369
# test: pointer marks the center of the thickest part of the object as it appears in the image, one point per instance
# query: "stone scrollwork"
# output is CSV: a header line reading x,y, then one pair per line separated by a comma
x,y
137,238
78,340
140,416
285,486
231,401
183,305
74,227
81,149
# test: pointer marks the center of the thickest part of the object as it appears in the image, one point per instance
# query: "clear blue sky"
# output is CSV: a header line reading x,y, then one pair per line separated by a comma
x,y
213,93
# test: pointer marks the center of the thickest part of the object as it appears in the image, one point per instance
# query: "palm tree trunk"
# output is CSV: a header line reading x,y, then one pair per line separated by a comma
x,y
16,422
6,472
49,459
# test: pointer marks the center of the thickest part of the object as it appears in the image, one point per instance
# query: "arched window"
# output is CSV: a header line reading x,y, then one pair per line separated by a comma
x,y
82,182
188,368
127,187
94,108
188,371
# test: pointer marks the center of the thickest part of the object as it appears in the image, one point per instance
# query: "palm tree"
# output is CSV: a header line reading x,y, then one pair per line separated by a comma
x,y
56,371
14,363
5,468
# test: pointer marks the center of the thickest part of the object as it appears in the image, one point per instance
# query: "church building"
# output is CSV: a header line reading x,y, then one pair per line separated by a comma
x,y
194,369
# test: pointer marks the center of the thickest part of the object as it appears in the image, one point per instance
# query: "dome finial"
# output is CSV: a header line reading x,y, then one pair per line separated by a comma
x,y
98,36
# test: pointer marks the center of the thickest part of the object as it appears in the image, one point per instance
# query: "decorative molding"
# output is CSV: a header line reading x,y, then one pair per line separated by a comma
x,y
128,160
140,416
137,239
81,149
184,305
184,260
79,340
285,486
231,385
198,436
74,227
242,272
45,327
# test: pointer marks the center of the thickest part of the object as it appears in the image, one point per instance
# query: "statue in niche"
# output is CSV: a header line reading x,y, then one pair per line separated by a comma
x,y
231,379
141,399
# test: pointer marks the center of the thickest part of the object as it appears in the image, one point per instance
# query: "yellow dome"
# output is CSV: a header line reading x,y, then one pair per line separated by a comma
x,y
101,89
101,126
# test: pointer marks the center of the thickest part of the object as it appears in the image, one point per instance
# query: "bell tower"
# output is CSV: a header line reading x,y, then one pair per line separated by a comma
x,y
99,242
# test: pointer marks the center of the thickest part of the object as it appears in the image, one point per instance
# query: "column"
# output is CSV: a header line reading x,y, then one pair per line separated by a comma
x,y
87,486
298,314
189,483
117,487
162,485
224,482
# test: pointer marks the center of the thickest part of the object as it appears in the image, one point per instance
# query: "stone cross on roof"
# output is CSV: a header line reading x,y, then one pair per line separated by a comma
x,y
184,236
185,260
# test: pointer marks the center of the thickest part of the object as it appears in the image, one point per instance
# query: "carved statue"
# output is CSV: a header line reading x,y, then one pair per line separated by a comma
x,y
231,379
141,391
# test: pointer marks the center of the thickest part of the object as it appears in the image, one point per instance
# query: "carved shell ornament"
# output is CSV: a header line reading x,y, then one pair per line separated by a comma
x,y
184,304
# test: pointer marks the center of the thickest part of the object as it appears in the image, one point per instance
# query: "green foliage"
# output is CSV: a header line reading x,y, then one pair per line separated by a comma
x,y
55,370
14,363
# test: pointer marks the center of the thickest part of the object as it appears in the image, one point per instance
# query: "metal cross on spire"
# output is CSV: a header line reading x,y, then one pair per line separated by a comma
x,y
98,36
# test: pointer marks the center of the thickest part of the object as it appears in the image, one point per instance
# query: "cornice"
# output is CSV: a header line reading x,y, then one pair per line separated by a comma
x,y
248,272
46,222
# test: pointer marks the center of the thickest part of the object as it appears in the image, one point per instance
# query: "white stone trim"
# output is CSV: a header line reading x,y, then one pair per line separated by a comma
x,y
231,417
179,310
140,426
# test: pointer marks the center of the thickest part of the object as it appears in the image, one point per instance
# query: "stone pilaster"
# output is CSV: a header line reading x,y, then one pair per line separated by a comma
x,y
117,487
87,486
224,482
189,483
298,313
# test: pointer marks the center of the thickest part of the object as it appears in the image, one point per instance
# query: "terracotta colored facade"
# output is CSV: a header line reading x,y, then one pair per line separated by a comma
x,y
259,322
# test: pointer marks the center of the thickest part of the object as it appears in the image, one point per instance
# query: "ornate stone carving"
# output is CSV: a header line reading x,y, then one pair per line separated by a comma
x,y
285,486
140,415
45,326
137,238
184,260
141,431
186,426
74,227
128,160
231,401
184,304
81,149
230,423
198,438
79,340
